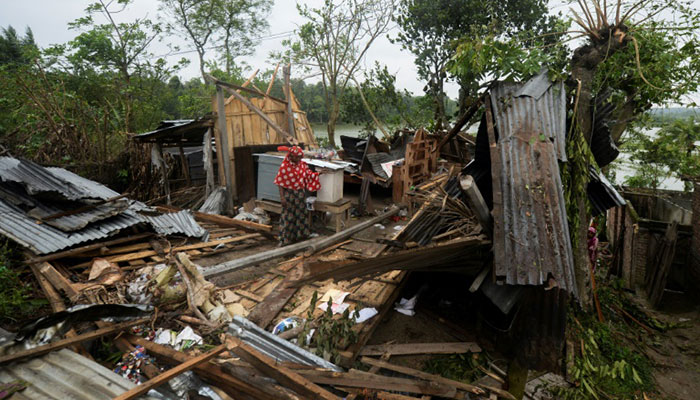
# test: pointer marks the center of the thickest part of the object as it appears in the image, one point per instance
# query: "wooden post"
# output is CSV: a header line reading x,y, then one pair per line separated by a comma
x,y
229,161
272,80
208,163
477,203
288,94
159,161
185,166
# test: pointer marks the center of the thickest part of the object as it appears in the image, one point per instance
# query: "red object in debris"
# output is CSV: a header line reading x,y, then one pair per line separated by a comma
x,y
395,218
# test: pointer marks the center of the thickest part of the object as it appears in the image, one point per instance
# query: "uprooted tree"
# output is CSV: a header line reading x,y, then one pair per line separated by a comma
x,y
634,55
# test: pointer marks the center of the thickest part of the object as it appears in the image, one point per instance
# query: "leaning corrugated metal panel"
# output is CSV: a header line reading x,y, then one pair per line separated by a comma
x,y
44,239
63,375
531,233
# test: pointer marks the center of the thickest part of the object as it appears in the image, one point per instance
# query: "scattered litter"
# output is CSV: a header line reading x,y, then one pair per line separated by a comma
x,y
365,314
131,363
186,339
398,227
337,297
379,226
286,324
406,306
180,341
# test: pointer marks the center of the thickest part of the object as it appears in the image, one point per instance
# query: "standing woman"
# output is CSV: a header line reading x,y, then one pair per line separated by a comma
x,y
294,178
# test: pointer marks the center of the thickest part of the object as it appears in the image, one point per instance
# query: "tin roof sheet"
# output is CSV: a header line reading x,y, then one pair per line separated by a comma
x,y
63,375
44,239
531,233
37,179
181,222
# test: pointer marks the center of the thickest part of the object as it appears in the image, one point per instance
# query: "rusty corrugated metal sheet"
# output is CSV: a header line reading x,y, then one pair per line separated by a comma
x,y
531,233
64,374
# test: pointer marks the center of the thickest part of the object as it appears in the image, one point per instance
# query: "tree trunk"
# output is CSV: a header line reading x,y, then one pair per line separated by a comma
x,y
332,121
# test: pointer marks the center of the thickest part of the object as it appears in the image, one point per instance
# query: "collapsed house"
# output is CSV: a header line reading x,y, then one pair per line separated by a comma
x,y
299,318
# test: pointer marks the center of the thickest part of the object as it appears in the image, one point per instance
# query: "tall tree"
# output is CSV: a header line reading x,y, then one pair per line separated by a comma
x,y
430,29
229,26
122,47
334,40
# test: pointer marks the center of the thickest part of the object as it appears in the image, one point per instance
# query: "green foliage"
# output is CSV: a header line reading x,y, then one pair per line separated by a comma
x,y
332,334
232,26
333,41
458,367
394,108
16,302
672,151
433,30
604,365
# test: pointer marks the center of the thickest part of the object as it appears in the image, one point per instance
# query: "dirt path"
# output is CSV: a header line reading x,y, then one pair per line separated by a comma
x,y
676,353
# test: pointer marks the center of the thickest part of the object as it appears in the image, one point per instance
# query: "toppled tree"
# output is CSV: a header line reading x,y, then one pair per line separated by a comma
x,y
633,56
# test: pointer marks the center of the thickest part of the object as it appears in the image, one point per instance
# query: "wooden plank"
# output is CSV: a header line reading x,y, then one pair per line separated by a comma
x,y
151,253
83,249
421,348
226,221
57,280
169,374
50,292
40,350
272,80
249,295
208,371
477,203
223,148
288,92
281,374
270,306
381,395
255,109
360,379
422,375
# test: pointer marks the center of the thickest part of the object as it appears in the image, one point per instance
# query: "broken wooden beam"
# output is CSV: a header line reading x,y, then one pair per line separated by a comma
x,y
279,373
477,203
420,348
361,379
47,348
422,375
79,250
311,245
208,371
169,374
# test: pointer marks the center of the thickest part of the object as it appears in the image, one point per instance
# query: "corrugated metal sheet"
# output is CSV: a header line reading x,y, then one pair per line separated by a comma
x,y
531,233
37,179
15,194
601,193
274,347
64,375
90,188
44,239
181,222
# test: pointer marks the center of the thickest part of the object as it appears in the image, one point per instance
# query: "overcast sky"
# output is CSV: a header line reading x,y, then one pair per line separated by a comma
x,y
49,20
